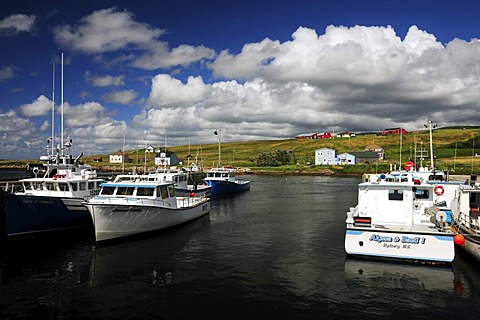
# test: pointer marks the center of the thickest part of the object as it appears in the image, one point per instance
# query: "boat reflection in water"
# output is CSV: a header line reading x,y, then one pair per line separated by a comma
x,y
405,285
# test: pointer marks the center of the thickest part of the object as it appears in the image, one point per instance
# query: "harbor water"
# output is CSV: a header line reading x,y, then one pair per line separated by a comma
x,y
273,252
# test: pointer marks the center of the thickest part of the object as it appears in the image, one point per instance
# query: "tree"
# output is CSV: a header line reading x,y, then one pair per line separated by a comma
x,y
273,158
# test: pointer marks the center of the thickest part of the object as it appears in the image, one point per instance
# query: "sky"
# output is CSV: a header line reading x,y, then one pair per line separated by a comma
x,y
171,72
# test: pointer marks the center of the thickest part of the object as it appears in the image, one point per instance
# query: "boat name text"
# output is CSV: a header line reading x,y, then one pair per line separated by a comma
x,y
397,239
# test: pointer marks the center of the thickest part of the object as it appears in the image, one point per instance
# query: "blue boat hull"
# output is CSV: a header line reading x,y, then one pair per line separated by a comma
x,y
29,215
221,187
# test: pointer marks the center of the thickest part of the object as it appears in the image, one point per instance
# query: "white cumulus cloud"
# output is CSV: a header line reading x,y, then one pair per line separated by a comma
x,y
17,23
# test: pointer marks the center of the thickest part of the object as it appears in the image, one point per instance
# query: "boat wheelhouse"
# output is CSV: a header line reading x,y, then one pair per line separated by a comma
x,y
223,180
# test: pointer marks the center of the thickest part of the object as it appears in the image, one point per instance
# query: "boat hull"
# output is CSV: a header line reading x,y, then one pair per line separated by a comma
x,y
27,215
112,221
222,187
409,246
472,242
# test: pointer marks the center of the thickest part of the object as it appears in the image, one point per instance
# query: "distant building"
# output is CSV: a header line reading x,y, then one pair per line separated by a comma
x,y
345,134
307,136
345,159
118,157
325,156
97,159
166,159
394,131
316,135
376,148
365,157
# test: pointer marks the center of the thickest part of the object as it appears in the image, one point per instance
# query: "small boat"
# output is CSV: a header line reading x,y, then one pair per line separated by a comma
x,y
223,180
465,209
180,179
134,204
52,202
397,218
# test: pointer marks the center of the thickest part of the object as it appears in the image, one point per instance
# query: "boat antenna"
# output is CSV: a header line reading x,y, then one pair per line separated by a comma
x,y
400,160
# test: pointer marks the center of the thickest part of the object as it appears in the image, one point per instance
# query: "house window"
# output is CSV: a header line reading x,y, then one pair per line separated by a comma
x,y
396,195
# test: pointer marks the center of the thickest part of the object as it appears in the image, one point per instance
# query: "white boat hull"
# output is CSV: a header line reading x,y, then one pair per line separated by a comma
x,y
416,247
113,221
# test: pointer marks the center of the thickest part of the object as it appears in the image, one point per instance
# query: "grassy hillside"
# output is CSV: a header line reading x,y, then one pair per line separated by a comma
x,y
453,149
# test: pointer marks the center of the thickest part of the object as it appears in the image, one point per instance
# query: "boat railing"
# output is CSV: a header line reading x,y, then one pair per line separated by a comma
x,y
137,201
469,222
190,201
11,186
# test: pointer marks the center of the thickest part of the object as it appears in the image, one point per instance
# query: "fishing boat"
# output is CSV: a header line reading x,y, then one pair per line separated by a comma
x,y
181,180
465,211
52,202
52,199
134,204
397,218
222,179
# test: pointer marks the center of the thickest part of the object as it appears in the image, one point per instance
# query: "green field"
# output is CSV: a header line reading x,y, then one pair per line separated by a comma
x,y
454,150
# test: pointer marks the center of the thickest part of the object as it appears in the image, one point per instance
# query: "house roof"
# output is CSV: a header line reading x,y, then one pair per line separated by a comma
x,y
365,154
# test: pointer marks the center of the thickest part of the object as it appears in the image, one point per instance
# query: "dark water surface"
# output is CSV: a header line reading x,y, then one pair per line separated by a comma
x,y
276,251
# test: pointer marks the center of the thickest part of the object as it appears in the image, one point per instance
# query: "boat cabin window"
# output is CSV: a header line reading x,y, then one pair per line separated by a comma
x,y
63,187
125,191
74,186
171,190
162,191
225,174
395,194
107,191
421,193
82,185
91,185
145,192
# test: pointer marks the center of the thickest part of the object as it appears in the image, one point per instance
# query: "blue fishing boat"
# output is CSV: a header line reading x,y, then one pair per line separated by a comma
x,y
223,180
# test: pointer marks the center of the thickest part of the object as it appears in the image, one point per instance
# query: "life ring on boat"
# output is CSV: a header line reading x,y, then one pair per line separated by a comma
x,y
438,190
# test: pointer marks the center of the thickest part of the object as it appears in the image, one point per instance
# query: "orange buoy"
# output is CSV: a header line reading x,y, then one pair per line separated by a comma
x,y
458,239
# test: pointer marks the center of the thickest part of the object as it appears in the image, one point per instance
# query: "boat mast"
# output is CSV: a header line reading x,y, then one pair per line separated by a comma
x,y
219,133
61,125
431,143
53,109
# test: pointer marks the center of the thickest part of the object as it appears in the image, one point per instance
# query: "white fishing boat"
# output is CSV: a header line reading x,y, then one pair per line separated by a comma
x,y
181,180
465,211
396,218
134,204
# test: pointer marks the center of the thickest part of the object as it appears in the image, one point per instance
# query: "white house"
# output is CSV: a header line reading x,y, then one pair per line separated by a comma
x,y
325,156
168,159
117,157
345,159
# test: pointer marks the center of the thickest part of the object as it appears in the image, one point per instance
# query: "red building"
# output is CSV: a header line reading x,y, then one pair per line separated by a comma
x,y
323,135
394,131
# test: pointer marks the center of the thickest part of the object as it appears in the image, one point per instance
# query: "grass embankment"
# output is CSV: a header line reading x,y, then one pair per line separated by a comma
x,y
454,150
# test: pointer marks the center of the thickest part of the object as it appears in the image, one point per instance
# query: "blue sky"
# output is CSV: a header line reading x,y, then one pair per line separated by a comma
x,y
256,69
